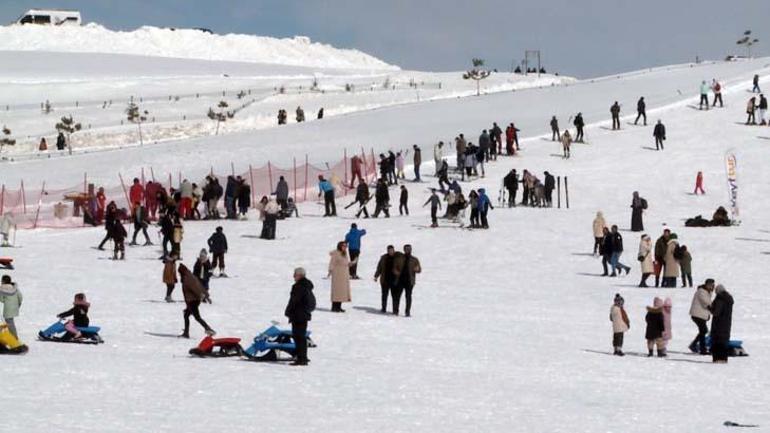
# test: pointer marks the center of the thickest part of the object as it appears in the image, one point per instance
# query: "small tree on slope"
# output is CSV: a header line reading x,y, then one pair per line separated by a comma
x,y
220,116
6,139
134,115
477,74
68,126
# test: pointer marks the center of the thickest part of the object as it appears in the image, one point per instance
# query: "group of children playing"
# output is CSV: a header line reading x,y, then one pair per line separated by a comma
x,y
658,319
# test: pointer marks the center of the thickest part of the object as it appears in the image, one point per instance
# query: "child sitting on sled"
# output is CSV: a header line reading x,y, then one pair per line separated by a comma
x,y
79,313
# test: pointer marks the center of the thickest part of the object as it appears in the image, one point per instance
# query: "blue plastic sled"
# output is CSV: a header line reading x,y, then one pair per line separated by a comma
x,y
58,333
734,347
269,343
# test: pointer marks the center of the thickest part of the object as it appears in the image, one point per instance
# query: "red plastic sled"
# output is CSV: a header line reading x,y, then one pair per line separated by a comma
x,y
217,347
6,263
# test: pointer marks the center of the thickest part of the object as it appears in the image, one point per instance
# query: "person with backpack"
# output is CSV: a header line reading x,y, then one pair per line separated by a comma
x,y
659,132
717,89
638,205
641,111
299,311
620,324
218,248
672,257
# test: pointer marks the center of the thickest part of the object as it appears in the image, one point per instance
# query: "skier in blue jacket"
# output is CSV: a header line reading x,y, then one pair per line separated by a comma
x,y
353,239
327,189
484,205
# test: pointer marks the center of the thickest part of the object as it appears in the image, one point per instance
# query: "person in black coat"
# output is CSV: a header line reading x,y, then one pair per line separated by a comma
x,y
641,108
381,198
403,201
579,125
202,268
549,184
118,234
659,132
362,198
511,183
638,205
555,134
721,322
218,247
606,249
299,311
384,274
655,327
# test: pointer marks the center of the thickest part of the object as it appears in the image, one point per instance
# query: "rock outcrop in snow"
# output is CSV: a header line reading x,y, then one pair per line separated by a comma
x,y
185,43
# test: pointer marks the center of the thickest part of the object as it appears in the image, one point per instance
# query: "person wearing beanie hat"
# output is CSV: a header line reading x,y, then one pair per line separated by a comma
x,y
202,268
655,327
721,323
620,324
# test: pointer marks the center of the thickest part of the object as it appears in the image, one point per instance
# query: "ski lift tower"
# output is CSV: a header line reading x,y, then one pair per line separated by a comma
x,y
531,55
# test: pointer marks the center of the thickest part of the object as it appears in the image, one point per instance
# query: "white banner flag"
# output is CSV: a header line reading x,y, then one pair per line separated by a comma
x,y
731,167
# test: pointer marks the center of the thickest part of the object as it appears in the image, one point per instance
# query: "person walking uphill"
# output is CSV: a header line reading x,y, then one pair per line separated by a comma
x,y
722,310
405,267
299,311
194,293
435,205
700,314
659,132
638,205
327,189
620,324
353,239
641,111
11,298
339,271
615,112
384,274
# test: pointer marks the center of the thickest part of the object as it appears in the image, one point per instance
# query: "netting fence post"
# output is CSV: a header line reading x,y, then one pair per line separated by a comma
x,y
307,167
143,180
566,192
366,164
23,198
152,174
125,191
170,182
39,203
253,187
345,163
232,168
269,177
295,179
2,199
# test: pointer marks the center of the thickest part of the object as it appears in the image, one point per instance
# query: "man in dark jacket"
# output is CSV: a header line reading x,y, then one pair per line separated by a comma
x,y
141,220
497,140
299,311
555,134
417,161
405,267
385,276
548,185
661,245
721,322
392,178
282,193
61,142
615,112
660,135
511,183
381,198
362,198
484,143
579,125
641,111
218,247
617,250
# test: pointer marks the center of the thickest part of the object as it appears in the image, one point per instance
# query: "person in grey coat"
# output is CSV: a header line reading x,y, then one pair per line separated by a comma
x,y
282,193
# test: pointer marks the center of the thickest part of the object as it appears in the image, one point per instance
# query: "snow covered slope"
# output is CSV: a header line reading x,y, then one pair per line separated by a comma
x,y
185,43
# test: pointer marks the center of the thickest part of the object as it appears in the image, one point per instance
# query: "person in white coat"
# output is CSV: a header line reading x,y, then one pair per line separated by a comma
x,y
645,259
7,222
599,225
620,324
438,155
700,313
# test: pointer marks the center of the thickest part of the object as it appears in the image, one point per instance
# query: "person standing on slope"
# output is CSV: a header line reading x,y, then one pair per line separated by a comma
x,y
136,192
755,81
497,141
326,189
617,250
549,183
555,135
762,109
660,254
202,268
141,222
645,259
484,144
638,205
435,205
704,95
615,112
721,323
579,125
282,190
11,298
485,204
416,161
403,201
509,132
381,199
700,313
685,266
671,272
339,272
355,168
699,183
659,132
299,311
353,239
566,142
641,111
599,225
385,275
405,267
438,155
717,89
655,327
511,183
620,324
217,243
751,108
194,293
362,198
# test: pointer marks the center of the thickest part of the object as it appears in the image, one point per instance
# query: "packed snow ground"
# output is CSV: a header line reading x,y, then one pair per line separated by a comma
x,y
96,88
501,318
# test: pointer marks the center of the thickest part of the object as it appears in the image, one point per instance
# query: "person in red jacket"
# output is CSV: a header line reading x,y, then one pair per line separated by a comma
x,y
151,198
355,168
136,193
699,183
101,205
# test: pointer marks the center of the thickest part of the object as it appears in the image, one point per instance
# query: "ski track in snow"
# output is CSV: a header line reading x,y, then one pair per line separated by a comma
x,y
501,318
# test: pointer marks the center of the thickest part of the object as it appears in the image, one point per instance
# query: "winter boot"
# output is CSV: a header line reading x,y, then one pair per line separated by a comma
x,y
184,334
619,352
210,332
649,353
169,299
662,353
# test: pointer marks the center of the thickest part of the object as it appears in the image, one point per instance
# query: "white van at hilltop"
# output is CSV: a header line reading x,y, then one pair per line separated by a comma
x,y
53,17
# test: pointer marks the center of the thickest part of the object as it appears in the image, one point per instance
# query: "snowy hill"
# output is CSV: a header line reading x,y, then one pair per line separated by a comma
x,y
185,43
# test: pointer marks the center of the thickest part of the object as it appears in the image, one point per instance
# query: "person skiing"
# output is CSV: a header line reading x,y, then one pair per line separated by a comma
x,y
700,313
79,313
385,275
282,191
599,224
721,324
381,199
579,125
685,266
717,89
435,205
194,293
353,239
549,183
484,205
699,184
339,272
659,132
617,250
202,268
655,327
356,164
704,95
403,201
405,269
299,310
755,81
217,243
11,297
8,222
118,234
641,111
615,112
660,254
638,205
511,183
566,141
141,222
555,135
645,259
362,198
751,108
326,189
169,276
620,324
416,161
762,109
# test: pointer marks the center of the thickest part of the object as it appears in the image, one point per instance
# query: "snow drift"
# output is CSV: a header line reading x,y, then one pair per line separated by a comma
x,y
186,43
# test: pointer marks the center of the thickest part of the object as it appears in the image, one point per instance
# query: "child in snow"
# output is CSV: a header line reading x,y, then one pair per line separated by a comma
x,y
403,201
79,313
620,324
655,328
169,275
202,268
11,298
666,322
699,183
685,265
